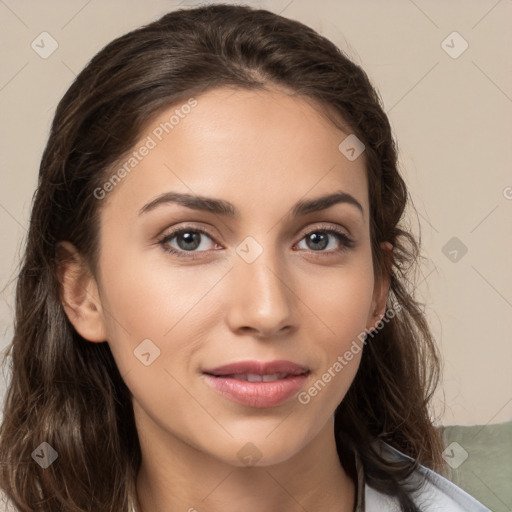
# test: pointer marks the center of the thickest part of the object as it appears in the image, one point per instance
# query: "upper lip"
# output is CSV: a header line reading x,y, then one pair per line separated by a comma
x,y
258,368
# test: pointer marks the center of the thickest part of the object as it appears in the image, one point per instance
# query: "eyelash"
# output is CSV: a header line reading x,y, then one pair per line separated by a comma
x,y
348,243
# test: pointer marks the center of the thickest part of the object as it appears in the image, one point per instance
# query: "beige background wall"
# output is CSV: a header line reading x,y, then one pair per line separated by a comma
x,y
451,115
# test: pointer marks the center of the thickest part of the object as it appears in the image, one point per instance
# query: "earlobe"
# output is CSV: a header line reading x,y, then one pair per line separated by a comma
x,y
79,294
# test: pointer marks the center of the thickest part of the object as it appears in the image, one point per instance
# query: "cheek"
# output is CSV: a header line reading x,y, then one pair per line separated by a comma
x,y
150,299
338,330
341,301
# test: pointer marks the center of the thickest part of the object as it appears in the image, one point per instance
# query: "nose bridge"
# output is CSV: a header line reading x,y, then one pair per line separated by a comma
x,y
261,296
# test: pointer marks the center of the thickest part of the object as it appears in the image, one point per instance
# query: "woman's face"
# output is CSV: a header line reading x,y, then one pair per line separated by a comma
x,y
249,280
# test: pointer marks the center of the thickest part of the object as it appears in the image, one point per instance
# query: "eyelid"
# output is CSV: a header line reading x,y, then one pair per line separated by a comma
x,y
322,226
205,228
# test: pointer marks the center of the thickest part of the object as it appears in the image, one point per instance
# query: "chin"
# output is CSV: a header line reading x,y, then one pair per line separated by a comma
x,y
259,450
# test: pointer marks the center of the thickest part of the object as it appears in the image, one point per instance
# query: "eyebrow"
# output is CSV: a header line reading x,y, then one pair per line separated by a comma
x,y
225,208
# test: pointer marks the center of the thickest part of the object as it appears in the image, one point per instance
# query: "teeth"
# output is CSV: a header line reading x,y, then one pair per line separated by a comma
x,y
275,376
252,377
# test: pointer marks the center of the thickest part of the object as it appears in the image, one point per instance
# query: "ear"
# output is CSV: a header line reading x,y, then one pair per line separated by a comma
x,y
79,294
381,289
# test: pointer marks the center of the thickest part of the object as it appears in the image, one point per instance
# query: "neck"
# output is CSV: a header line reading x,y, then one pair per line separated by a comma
x,y
175,476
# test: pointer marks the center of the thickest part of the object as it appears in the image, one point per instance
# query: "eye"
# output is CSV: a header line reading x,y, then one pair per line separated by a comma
x,y
188,239
318,240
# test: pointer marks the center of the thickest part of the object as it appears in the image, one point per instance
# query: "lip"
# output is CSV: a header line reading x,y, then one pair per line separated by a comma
x,y
257,394
258,367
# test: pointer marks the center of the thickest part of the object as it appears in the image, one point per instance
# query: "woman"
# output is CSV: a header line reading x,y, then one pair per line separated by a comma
x,y
214,310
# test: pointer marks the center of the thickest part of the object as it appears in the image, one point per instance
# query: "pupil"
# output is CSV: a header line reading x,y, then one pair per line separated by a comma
x,y
189,242
315,237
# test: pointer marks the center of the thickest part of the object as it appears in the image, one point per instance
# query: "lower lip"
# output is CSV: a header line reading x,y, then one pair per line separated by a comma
x,y
257,394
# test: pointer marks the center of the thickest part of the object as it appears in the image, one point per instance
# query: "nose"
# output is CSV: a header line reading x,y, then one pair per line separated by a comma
x,y
261,298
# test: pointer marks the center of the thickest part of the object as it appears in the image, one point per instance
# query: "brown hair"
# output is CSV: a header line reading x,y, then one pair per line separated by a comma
x,y
69,392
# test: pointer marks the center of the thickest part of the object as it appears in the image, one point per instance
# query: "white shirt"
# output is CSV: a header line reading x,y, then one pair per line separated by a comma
x,y
438,494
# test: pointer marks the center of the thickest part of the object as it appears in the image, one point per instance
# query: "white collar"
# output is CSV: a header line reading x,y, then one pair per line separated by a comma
x,y
438,494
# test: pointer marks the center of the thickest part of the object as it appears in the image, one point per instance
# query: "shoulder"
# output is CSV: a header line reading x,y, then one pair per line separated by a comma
x,y
437,493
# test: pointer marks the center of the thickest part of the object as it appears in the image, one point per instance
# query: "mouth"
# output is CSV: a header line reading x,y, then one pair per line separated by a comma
x,y
254,377
257,384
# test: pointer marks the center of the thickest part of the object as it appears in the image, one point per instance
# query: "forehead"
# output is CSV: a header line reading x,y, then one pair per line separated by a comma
x,y
241,145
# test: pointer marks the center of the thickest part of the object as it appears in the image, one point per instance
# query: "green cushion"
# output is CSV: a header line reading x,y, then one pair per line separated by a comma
x,y
480,460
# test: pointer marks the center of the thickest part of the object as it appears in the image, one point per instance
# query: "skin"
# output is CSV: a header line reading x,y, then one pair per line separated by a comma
x,y
262,151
